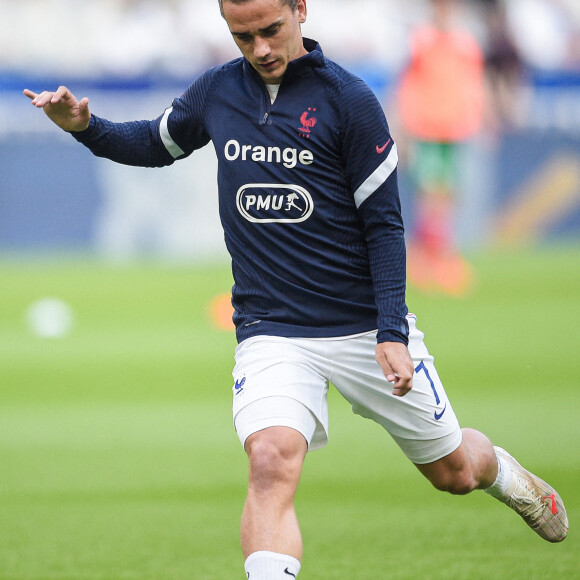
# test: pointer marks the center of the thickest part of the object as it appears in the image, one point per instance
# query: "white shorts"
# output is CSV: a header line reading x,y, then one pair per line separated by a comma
x,y
284,382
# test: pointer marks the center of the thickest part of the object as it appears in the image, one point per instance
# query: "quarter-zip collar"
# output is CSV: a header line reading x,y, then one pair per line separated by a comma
x,y
314,58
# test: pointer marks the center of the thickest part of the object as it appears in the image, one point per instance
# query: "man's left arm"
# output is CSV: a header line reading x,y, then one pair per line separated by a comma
x,y
371,162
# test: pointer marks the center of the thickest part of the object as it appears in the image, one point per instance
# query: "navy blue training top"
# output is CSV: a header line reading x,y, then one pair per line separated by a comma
x,y
308,193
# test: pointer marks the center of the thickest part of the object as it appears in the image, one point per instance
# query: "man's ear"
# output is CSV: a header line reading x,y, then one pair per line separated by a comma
x,y
302,11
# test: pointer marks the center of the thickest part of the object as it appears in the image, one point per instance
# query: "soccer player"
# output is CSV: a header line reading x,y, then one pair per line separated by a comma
x,y
440,102
307,181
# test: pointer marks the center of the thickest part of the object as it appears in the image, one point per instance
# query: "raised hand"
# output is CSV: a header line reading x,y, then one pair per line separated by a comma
x,y
63,108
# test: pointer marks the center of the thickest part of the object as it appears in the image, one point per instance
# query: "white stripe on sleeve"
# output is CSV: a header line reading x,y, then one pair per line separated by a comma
x,y
377,178
171,146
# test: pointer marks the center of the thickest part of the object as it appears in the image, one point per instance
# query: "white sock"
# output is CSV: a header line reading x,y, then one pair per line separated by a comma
x,y
271,566
504,475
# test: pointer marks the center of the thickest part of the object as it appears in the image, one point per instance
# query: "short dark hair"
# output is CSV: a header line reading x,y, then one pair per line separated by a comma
x,y
292,3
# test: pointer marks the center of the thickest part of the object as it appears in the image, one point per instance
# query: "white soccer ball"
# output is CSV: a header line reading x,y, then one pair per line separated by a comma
x,y
50,318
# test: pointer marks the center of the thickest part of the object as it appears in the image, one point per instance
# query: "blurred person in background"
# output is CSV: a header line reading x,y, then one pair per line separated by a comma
x,y
440,100
505,72
309,203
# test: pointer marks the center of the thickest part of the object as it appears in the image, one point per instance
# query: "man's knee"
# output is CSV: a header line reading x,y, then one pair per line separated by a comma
x,y
276,456
455,482
473,465
453,474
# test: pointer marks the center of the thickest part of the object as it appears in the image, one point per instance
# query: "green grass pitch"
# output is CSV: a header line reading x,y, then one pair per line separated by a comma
x,y
118,459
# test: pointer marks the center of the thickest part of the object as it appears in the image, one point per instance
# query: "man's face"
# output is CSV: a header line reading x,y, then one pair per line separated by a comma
x,y
268,34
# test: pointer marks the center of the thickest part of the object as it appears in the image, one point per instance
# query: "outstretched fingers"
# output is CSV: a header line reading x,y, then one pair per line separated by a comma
x,y
49,97
62,107
34,96
40,100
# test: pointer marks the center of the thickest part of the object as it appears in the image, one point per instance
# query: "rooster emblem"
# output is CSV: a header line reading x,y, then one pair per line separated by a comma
x,y
307,122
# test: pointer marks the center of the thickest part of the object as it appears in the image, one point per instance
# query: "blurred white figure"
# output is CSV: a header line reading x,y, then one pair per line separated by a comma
x,y
50,318
542,30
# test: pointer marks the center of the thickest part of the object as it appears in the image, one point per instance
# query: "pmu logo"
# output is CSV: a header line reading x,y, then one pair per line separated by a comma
x,y
270,202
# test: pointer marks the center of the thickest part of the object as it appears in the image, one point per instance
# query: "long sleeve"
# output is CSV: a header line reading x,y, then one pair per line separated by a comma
x,y
173,135
134,143
370,158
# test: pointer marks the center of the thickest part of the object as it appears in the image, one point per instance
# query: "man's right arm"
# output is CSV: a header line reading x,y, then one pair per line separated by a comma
x,y
181,129
135,143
